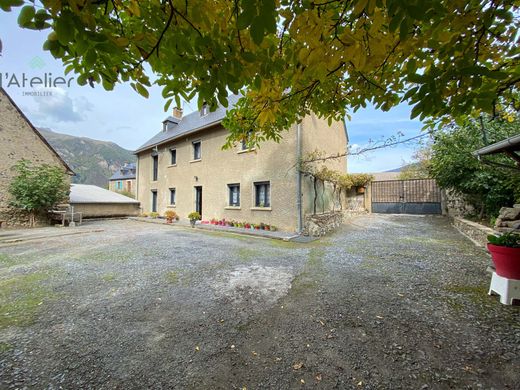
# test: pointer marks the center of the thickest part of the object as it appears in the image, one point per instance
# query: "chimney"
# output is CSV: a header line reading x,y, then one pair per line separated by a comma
x,y
177,113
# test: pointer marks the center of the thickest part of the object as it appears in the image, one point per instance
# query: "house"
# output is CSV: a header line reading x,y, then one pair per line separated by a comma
x,y
96,202
183,168
19,139
123,179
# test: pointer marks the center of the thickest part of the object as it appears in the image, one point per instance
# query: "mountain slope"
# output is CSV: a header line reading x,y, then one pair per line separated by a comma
x,y
93,161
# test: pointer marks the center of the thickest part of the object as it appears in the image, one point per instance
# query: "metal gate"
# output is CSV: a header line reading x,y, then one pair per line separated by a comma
x,y
418,196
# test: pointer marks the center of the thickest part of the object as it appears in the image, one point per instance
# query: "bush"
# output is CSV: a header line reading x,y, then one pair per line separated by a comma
x,y
194,216
36,189
453,165
170,214
153,214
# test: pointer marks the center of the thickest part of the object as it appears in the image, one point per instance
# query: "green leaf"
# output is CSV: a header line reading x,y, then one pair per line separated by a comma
x,y
26,15
141,90
257,31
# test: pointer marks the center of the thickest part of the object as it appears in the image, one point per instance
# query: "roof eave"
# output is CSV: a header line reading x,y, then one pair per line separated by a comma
x,y
206,126
509,144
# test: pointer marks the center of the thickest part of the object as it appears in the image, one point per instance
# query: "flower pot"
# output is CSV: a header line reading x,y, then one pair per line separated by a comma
x,y
192,222
506,260
360,190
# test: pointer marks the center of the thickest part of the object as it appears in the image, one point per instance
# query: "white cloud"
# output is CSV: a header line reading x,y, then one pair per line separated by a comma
x,y
59,107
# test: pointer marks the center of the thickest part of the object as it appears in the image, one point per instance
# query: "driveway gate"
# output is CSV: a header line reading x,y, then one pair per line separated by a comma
x,y
418,196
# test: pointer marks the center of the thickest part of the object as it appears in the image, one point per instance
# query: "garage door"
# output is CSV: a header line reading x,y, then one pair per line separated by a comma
x,y
406,197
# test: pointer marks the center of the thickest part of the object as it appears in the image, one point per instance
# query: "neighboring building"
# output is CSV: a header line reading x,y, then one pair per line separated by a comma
x,y
123,179
184,168
19,139
96,202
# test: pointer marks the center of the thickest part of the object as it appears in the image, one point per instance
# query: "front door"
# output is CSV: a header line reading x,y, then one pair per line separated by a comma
x,y
198,199
154,201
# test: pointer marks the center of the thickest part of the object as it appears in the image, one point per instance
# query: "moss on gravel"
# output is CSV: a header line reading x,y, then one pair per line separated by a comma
x,y
5,347
313,271
6,260
21,297
247,254
110,277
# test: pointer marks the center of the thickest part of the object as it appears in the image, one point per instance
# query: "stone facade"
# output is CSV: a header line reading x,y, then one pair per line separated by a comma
x,y
19,139
318,225
217,169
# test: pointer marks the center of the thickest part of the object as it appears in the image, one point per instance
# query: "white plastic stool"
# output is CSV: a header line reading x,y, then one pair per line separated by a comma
x,y
508,289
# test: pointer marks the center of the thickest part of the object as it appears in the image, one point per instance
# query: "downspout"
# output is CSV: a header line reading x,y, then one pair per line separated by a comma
x,y
299,177
137,183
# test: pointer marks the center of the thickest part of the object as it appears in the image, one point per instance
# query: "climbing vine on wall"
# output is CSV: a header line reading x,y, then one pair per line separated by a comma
x,y
341,182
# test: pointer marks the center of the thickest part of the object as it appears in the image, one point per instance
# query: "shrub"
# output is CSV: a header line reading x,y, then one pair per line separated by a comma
x,y
153,214
194,216
170,214
35,189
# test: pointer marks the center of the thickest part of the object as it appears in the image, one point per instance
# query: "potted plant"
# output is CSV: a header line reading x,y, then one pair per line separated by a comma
x,y
170,215
505,253
194,216
154,215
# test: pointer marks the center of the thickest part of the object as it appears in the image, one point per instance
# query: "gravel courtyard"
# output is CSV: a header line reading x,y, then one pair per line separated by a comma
x,y
388,302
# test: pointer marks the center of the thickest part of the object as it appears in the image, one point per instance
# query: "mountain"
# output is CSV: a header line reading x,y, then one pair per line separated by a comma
x,y
93,161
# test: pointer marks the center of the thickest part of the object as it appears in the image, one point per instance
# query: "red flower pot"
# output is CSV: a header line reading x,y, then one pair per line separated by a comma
x,y
506,260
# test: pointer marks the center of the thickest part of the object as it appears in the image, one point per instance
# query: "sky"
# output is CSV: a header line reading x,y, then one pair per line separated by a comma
x,y
128,119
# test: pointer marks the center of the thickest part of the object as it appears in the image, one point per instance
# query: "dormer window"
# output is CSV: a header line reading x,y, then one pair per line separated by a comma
x,y
204,109
164,126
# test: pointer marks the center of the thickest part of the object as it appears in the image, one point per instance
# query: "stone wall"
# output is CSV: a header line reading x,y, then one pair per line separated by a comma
x,y
474,231
508,219
20,140
318,225
355,202
457,205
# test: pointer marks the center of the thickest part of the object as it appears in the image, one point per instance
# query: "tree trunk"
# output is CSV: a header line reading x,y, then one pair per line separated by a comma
x,y
31,219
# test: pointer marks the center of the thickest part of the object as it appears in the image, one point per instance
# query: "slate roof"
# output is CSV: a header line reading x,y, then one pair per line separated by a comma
x,y
86,193
189,124
126,172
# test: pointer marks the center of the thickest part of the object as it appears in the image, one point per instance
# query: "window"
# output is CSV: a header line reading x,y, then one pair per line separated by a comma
x,y
155,169
234,194
204,110
173,156
172,196
263,194
119,185
244,143
196,150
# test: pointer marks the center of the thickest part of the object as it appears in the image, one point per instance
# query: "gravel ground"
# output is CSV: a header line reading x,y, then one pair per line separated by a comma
x,y
388,302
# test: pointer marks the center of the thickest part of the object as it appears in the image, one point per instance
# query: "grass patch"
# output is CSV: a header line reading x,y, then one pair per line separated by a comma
x,y
20,299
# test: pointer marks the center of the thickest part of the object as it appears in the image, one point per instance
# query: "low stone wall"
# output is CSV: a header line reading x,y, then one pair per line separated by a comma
x,y
18,218
318,225
474,231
